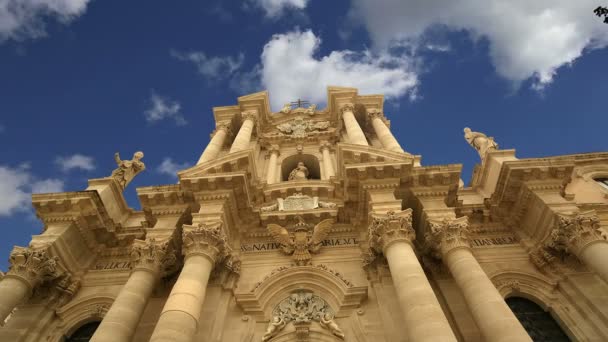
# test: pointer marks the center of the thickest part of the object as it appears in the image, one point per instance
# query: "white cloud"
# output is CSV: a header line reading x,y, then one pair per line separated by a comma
x,y
168,167
275,8
163,108
527,39
76,161
17,185
290,70
21,19
212,67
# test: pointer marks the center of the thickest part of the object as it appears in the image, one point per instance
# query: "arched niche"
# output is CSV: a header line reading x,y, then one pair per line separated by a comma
x,y
310,161
79,312
84,332
339,293
539,324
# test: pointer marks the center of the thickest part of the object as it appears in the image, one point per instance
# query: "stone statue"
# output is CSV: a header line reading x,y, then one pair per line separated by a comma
x,y
327,322
286,108
127,169
276,324
299,173
481,142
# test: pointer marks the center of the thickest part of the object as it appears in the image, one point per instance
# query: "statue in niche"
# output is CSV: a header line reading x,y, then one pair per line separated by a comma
x,y
276,324
299,173
481,142
327,322
127,169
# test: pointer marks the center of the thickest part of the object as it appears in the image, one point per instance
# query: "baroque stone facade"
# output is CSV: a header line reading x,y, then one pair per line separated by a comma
x,y
316,225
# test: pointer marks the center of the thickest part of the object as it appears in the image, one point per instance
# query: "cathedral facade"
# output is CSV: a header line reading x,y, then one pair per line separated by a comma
x,y
316,225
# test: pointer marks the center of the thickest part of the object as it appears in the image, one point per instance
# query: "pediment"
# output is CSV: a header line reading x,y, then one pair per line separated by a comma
x,y
242,161
356,154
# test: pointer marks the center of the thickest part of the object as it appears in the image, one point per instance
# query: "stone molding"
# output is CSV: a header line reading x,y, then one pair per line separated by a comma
x,y
391,227
446,235
152,255
32,265
573,233
208,240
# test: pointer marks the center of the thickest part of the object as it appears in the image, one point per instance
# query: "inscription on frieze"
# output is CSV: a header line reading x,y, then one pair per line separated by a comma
x,y
269,246
112,265
494,241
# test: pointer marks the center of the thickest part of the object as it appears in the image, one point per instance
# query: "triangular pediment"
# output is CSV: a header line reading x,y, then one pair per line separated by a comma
x,y
233,162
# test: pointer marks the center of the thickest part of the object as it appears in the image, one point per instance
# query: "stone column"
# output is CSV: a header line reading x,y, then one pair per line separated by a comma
x,y
203,245
271,172
579,234
29,267
149,259
241,142
216,144
327,163
424,319
384,133
449,240
354,131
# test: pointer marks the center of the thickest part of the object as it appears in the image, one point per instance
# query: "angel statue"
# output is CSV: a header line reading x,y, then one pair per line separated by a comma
x,y
327,322
127,169
301,242
481,142
299,173
276,324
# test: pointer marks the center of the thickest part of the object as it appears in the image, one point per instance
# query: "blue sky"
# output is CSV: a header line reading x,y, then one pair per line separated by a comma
x,y
80,80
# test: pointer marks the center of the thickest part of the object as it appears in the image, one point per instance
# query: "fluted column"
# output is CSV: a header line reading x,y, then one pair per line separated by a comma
x,y
384,133
271,172
424,318
449,239
28,268
327,163
354,131
202,246
216,144
578,234
148,258
241,142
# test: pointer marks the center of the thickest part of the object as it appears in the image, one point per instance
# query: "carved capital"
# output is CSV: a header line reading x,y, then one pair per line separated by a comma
x,y
349,107
249,115
152,255
274,149
391,227
446,235
225,126
573,233
325,145
375,113
204,239
32,265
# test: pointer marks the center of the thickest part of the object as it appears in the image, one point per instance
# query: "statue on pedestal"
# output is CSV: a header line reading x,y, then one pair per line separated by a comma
x,y
299,173
127,169
481,142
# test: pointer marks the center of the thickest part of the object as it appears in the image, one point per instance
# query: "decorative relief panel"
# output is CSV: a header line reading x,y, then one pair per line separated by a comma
x,y
297,201
300,128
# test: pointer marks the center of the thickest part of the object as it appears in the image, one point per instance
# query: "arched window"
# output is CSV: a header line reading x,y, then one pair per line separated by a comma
x,y
538,323
84,333
603,182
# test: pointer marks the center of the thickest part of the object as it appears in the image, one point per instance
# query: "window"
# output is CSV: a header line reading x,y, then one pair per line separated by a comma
x,y
84,333
538,323
603,182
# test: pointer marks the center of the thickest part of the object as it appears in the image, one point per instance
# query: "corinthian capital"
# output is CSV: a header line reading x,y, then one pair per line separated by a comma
x,y
447,234
152,255
32,265
205,239
573,233
249,115
391,227
349,107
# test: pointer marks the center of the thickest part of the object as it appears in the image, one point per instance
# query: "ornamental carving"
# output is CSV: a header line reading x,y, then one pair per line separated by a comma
x,y
302,308
298,201
574,233
127,169
153,255
480,142
32,265
390,227
447,234
301,242
300,128
205,239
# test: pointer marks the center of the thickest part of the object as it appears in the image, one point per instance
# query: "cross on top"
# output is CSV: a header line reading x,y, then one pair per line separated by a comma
x,y
300,103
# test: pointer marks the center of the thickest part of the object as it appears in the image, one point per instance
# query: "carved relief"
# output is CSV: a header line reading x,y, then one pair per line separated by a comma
x,y
298,201
32,265
300,128
153,255
390,227
575,232
447,234
301,242
302,308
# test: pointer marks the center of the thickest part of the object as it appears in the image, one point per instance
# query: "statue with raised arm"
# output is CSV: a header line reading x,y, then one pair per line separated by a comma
x,y
127,169
481,142
299,173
